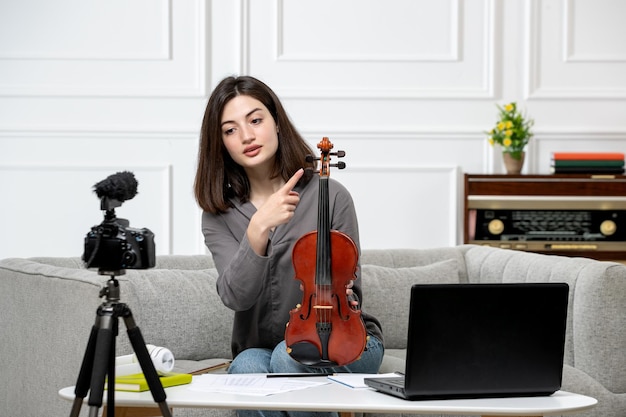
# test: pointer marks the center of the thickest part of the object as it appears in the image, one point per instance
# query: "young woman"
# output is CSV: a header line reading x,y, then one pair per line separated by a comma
x,y
257,203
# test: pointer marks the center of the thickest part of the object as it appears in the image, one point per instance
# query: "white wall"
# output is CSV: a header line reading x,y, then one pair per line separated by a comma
x,y
405,87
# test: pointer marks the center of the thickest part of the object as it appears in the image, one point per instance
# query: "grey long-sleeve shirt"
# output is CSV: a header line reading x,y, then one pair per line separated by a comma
x,y
262,289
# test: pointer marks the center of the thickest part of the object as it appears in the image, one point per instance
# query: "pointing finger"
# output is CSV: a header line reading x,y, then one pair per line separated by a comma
x,y
289,185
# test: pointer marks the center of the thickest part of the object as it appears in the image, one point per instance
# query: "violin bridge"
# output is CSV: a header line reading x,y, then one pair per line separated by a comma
x,y
323,307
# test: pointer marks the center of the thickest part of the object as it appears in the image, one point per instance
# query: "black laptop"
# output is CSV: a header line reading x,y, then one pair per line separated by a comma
x,y
482,341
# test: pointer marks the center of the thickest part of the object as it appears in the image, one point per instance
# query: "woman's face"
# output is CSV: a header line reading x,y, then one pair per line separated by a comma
x,y
249,133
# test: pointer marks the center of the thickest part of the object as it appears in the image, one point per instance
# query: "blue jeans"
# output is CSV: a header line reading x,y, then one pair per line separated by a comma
x,y
257,360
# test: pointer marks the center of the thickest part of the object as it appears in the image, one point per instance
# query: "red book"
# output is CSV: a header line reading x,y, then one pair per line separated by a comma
x,y
586,156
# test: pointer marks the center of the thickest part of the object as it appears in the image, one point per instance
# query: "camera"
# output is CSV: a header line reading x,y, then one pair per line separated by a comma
x,y
113,245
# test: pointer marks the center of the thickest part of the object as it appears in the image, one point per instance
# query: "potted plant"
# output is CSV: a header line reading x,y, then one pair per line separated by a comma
x,y
512,132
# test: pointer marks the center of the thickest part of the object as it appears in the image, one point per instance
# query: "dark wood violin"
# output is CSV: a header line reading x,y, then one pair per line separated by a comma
x,y
325,330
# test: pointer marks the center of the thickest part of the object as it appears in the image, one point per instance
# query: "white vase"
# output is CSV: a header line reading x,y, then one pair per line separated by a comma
x,y
513,165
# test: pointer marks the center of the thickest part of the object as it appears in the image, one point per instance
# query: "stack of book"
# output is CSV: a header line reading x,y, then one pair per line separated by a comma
x,y
587,163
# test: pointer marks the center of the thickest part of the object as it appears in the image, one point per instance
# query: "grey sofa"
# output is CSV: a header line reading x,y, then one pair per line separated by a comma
x,y
49,304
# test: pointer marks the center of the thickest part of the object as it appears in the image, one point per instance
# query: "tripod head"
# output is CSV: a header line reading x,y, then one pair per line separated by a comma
x,y
112,289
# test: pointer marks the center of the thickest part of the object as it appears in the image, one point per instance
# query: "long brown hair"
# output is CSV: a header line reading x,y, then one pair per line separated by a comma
x,y
218,177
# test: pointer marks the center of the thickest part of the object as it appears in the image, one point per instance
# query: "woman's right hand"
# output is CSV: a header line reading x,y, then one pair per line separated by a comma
x,y
278,209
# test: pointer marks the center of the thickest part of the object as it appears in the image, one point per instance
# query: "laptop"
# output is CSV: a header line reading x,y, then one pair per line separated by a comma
x,y
482,341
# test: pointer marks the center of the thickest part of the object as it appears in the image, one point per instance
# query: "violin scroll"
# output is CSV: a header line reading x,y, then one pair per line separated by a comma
x,y
325,146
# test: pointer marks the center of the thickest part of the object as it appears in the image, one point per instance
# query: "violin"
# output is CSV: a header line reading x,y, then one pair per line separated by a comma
x,y
325,330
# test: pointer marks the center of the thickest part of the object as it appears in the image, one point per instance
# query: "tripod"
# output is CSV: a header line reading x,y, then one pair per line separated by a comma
x,y
99,359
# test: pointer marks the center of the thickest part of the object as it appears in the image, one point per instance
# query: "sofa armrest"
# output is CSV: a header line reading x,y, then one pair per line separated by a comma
x,y
596,333
47,315
599,324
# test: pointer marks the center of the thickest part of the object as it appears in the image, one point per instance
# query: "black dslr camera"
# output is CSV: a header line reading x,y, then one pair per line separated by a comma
x,y
112,245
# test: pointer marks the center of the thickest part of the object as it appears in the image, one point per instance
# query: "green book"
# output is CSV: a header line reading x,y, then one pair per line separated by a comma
x,y
587,163
138,382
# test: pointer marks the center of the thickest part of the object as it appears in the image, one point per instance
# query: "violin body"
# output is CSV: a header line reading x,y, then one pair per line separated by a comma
x,y
325,330
343,340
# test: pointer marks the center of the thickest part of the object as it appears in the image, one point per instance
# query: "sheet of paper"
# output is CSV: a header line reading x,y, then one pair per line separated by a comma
x,y
251,384
357,380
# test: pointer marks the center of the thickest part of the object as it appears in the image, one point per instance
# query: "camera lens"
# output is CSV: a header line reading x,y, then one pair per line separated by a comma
x,y
129,258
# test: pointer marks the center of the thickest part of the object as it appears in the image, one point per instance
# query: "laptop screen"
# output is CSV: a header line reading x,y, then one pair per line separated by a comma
x,y
486,339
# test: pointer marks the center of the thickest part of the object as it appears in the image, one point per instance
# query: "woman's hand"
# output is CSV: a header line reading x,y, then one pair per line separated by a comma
x,y
278,209
352,298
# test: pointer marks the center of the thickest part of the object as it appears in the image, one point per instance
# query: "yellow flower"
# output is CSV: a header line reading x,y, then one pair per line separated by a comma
x,y
512,130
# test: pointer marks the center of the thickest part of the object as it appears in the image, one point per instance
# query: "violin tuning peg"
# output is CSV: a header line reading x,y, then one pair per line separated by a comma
x,y
341,154
340,165
311,158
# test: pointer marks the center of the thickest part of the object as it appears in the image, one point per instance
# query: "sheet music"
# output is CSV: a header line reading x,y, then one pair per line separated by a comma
x,y
251,384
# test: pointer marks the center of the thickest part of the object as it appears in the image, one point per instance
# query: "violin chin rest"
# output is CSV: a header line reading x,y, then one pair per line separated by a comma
x,y
307,354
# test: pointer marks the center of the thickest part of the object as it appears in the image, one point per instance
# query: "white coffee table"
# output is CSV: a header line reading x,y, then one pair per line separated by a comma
x,y
337,397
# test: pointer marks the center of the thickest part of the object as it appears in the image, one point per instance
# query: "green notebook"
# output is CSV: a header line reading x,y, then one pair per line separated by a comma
x,y
138,383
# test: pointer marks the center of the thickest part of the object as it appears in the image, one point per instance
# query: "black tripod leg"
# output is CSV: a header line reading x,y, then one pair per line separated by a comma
x,y
84,376
101,361
111,373
143,356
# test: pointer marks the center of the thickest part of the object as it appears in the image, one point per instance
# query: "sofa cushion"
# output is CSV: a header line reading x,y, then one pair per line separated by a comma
x,y
179,309
394,360
409,258
386,293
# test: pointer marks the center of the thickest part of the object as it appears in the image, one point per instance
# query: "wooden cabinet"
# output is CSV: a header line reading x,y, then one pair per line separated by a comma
x,y
573,215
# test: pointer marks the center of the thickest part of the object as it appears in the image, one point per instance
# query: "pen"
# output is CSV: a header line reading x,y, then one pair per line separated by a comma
x,y
295,375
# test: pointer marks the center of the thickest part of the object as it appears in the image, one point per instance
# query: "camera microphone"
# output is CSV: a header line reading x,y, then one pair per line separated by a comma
x,y
121,186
